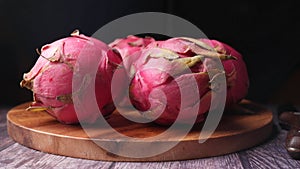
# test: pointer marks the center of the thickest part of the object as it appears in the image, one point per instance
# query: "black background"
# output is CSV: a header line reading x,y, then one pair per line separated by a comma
x,y
265,32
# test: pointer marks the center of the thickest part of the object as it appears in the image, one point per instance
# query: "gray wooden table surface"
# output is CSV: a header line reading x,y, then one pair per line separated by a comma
x,y
270,154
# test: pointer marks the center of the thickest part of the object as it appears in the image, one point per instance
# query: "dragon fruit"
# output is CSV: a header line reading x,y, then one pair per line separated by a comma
x,y
161,68
51,78
126,47
238,85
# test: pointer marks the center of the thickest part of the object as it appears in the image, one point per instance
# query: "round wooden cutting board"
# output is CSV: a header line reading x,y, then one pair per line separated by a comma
x,y
236,131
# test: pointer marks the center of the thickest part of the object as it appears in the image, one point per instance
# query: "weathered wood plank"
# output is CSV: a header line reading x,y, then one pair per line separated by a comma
x,y
17,156
5,141
272,154
230,161
148,165
3,112
71,163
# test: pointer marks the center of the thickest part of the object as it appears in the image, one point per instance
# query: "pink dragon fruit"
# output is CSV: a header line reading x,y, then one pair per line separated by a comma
x,y
51,78
126,47
131,44
162,71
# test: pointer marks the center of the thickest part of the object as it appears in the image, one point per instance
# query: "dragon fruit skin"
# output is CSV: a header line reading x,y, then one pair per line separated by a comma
x,y
149,78
50,79
129,45
238,87
144,99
